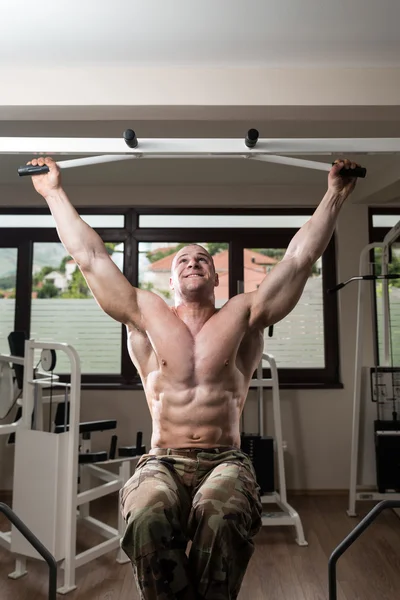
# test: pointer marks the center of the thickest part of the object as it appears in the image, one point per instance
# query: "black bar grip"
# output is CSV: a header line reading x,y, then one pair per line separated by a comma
x,y
31,170
357,172
337,288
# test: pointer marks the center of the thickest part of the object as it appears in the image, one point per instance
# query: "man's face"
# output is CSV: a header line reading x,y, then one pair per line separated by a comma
x,y
192,270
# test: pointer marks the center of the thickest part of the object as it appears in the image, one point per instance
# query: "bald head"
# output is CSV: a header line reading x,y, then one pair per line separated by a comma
x,y
193,274
188,250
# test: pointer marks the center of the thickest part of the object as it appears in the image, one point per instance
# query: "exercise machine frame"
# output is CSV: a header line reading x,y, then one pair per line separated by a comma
x,y
74,507
356,493
287,516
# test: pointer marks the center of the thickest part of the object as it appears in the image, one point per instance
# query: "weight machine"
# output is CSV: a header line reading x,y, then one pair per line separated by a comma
x,y
53,470
385,382
263,450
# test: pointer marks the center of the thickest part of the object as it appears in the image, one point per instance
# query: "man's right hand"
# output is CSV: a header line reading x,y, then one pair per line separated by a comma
x,y
49,182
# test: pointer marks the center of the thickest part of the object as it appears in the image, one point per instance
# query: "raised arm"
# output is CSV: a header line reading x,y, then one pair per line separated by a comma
x,y
282,288
112,291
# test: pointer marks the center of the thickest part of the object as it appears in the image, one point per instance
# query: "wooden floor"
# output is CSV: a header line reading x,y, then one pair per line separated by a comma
x,y
279,570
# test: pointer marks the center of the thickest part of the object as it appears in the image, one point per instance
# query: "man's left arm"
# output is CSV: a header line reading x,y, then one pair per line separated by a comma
x,y
282,288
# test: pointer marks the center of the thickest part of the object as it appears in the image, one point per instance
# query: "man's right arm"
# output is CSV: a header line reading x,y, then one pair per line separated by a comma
x,y
112,291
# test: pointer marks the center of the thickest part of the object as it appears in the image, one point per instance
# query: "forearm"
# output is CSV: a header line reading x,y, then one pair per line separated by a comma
x,y
311,240
77,237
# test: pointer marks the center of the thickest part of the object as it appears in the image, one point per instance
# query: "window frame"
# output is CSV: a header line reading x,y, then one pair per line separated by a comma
x,y
131,235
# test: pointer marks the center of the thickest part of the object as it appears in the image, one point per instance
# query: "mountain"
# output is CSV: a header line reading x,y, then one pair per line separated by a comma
x,y
45,254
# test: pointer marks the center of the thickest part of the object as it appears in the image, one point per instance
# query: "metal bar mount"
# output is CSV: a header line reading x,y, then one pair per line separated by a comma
x,y
128,147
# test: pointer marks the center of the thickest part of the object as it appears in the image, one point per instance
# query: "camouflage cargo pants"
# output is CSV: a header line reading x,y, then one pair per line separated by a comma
x,y
207,496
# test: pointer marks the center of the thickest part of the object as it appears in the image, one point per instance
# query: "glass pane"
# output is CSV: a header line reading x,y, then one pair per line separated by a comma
x,y
385,220
48,221
8,277
64,310
394,306
223,221
298,340
155,262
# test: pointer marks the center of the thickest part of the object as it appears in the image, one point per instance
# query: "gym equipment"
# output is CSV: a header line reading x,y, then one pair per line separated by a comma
x,y
387,434
11,375
260,449
348,541
250,147
264,450
53,470
37,544
7,399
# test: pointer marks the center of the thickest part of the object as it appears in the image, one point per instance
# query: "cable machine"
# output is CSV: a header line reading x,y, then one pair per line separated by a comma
x,y
384,381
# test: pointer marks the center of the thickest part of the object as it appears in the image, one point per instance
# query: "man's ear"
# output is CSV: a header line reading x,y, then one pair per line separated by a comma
x,y
216,280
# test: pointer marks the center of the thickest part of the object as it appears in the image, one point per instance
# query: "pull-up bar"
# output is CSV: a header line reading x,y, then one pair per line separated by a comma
x,y
250,147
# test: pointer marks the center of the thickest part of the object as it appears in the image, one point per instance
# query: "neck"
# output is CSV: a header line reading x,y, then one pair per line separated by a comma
x,y
194,308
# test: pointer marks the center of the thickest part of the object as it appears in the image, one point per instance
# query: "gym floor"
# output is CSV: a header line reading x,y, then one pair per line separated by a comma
x,y
279,570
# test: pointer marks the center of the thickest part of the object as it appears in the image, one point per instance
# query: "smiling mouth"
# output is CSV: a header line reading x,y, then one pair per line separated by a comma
x,y
194,275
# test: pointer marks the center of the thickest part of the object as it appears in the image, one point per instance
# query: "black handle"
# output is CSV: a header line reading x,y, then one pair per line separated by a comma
x,y
31,170
363,278
335,289
357,172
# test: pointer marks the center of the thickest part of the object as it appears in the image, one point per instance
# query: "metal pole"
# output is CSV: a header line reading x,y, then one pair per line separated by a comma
x,y
38,546
348,541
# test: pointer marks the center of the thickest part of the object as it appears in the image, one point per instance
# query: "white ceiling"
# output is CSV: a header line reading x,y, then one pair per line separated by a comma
x,y
232,33
206,33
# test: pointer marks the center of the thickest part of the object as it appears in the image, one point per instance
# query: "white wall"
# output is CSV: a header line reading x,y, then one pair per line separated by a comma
x,y
149,88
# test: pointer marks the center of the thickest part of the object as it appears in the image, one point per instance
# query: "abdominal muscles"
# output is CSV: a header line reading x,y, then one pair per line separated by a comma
x,y
194,416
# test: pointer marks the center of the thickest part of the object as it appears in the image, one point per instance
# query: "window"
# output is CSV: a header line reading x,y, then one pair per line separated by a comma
x,y
30,221
64,309
394,305
8,277
381,221
53,301
224,221
297,341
